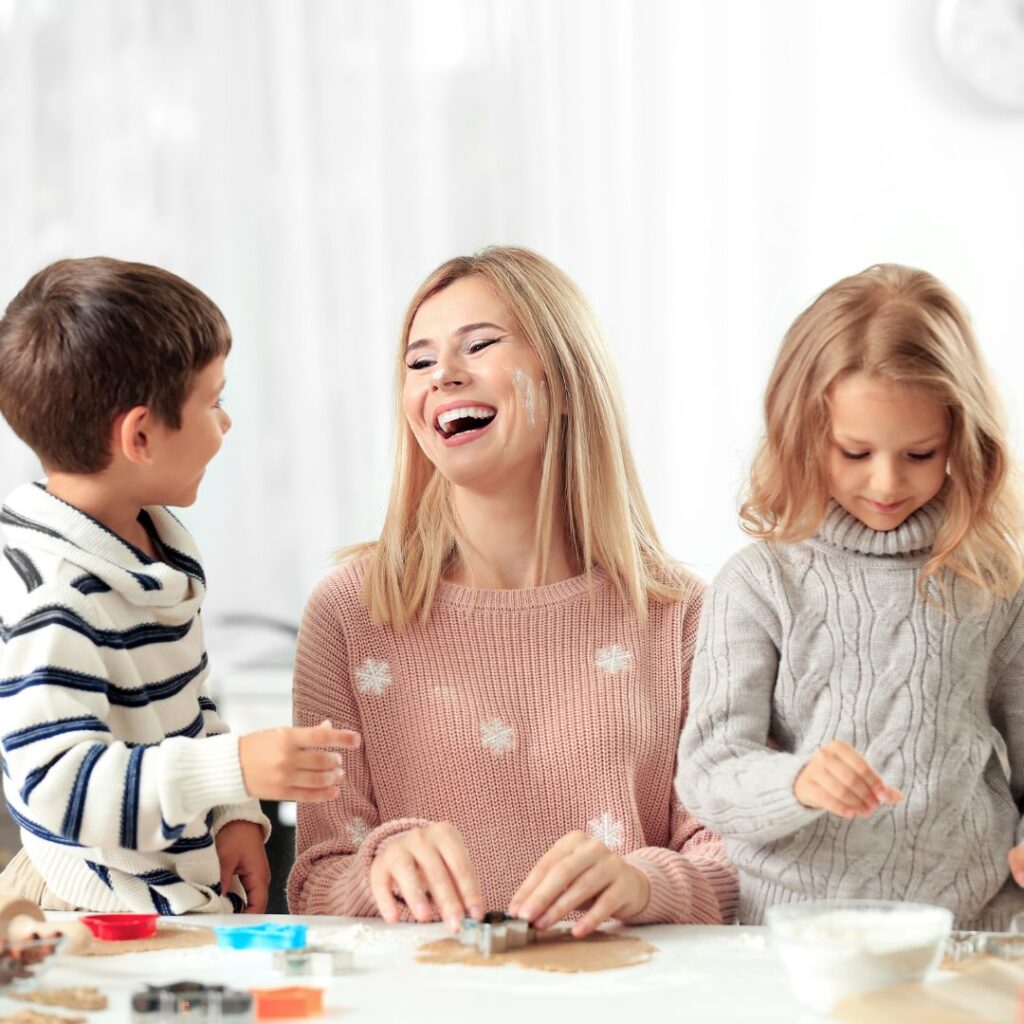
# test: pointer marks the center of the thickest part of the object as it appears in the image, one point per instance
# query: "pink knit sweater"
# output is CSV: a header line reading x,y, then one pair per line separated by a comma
x,y
517,715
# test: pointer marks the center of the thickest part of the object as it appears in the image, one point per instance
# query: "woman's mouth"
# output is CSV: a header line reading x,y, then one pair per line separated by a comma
x,y
460,424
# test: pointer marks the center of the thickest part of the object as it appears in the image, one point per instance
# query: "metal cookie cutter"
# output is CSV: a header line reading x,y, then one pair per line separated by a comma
x,y
158,1003
313,960
496,933
962,946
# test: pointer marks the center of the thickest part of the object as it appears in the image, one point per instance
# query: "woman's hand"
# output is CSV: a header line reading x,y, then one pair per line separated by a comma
x,y
1015,859
838,779
579,872
429,870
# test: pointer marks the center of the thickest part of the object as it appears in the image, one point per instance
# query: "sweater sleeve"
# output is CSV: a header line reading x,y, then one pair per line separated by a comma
x,y
1006,703
68,778
337,840
728,775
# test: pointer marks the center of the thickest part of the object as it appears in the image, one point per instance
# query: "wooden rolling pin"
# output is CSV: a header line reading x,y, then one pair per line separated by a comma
x,y
20,920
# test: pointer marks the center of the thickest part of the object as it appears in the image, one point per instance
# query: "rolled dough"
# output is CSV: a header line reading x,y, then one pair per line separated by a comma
x,y
167,937
554,951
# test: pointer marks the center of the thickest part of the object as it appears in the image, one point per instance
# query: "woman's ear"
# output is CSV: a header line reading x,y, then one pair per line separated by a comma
x,y
131,435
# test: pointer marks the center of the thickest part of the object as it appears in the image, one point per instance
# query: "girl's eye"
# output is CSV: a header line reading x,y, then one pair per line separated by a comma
x,y
479,346
854,455
921,456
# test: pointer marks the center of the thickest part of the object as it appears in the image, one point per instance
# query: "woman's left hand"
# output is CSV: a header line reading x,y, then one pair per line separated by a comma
x,y
579,872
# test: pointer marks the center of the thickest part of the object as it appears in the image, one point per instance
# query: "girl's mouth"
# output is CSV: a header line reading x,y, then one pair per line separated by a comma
x,y
463,424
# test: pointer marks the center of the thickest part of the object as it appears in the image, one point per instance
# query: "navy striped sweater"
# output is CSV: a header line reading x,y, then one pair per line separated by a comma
x,y
115,764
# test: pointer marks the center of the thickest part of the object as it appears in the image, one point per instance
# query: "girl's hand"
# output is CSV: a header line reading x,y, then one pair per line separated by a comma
x,y
580,872
429,870
287,764
837,779
1016,859
241,852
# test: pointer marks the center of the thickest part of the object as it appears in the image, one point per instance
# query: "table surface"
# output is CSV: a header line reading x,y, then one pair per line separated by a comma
x,y
700,974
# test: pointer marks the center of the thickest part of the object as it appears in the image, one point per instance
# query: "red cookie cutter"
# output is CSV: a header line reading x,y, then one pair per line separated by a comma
x,y
119,927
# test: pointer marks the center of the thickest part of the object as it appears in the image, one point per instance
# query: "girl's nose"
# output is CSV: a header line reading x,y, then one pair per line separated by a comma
x,y
887,477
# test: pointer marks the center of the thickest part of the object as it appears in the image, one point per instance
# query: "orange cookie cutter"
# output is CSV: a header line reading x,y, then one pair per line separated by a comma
x,y
296,1001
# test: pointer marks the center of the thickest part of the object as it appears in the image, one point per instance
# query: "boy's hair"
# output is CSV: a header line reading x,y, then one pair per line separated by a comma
x,y
588,473
86,340
905,326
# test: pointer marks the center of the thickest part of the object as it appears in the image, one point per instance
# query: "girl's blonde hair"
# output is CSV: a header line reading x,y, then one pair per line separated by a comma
x,y
588,479
903,325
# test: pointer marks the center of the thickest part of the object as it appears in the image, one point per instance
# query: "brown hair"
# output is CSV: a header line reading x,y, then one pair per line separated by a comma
x,y
86,340
903,325
588,475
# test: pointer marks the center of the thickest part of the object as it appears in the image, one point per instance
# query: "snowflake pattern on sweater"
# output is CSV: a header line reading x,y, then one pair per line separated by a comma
x,y
358,829
607,830
373,676
613,659
496,736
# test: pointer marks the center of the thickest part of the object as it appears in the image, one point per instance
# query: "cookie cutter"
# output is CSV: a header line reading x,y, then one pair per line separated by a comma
x,y
313,960
192,999
962,946
496,933
262,936
298,1001
119,927
22,959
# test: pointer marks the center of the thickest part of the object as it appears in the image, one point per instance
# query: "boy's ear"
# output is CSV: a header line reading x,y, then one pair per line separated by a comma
x,y
132,435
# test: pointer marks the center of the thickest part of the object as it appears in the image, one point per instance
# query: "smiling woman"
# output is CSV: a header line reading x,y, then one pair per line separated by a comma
x,y
515,647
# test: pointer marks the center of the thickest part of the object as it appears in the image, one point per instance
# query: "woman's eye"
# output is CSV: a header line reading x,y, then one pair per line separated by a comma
x,y
420,364
921,456
854,455
479,346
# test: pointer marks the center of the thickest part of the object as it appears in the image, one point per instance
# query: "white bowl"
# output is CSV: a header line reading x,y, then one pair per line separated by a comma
x,y
832,949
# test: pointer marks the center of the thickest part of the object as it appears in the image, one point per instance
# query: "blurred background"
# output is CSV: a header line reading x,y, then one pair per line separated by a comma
x,y
701,167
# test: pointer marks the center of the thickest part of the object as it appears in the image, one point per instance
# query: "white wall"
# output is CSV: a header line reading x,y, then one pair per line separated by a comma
x,y
702,168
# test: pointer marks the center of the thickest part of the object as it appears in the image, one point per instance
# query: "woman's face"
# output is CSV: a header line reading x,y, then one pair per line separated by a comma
x,y
474,394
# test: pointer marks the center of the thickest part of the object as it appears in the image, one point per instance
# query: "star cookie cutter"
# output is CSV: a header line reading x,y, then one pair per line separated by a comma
x,y
496,933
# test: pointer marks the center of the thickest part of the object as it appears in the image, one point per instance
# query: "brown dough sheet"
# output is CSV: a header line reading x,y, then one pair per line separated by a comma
x,y
35,1017
83,998
554,951
167,937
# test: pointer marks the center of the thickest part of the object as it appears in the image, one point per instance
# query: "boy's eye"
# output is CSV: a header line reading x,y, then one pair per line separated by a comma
x,y
921,456
854,455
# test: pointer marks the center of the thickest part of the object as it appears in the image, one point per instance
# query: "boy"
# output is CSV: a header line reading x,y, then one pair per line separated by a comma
x,y
129,791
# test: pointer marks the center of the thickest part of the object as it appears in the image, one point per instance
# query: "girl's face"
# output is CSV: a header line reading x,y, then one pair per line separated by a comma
x,y
474,393
888,449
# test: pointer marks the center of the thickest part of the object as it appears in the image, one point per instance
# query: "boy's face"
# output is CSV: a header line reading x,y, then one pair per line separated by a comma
x,y
181,456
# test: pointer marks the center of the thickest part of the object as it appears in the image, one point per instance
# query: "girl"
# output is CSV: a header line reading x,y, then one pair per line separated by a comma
x,y
515,648
859,688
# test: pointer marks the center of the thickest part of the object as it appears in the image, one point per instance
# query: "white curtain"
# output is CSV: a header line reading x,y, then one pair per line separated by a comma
x,y
701,167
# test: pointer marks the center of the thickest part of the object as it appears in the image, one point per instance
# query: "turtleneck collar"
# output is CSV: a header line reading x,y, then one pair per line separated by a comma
x,y
914,536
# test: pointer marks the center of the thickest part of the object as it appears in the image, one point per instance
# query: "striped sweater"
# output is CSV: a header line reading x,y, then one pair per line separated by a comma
x,y
116,766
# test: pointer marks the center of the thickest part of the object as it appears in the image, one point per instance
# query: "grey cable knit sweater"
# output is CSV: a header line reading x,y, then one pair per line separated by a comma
x,y
828,639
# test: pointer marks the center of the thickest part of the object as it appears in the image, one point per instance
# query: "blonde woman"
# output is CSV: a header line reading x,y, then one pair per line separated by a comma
x,y
515,648
858,719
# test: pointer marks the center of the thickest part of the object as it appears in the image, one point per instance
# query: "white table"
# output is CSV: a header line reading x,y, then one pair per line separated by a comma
x,y
700,974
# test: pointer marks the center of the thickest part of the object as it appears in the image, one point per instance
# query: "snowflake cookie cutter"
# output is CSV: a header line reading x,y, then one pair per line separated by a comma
x,y
496,933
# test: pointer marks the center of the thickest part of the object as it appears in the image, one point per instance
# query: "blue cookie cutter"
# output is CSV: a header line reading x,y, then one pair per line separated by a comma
x,y
263,936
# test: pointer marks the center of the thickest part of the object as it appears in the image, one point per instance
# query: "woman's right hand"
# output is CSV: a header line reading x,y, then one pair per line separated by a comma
x,y
429,870
838,779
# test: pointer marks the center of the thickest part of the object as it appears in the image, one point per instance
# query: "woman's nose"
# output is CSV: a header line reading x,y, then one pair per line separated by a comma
x,y
448,375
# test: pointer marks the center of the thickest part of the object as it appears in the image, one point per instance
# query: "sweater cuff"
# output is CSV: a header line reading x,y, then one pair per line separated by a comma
x,y
248,810
340,884
775,812
196,775
684,891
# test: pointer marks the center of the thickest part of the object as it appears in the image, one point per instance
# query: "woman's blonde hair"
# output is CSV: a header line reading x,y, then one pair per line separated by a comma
x,y
903,325
588,477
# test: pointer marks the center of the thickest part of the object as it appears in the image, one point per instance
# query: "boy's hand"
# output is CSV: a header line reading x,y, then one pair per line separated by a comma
x,y
427,868
241,852
1016,859
837,779
285,764
580,872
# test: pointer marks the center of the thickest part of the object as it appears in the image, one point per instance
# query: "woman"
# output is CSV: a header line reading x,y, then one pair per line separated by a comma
x,y
515,648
